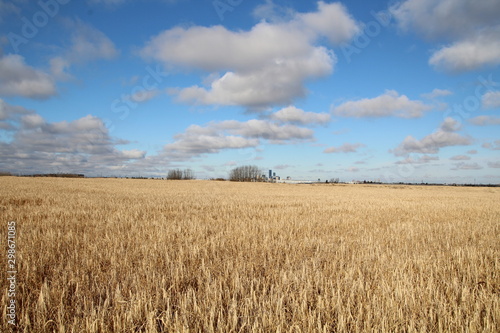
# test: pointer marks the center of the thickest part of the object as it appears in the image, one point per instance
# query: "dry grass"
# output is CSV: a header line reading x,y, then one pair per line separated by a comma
x,y
108,255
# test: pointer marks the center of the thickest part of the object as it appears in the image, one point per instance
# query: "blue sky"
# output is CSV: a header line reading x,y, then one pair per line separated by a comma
x,y
391,90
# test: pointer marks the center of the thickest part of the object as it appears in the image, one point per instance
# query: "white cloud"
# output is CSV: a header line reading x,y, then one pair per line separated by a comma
x,y
232,134
470,53
445,136
491,100
264,66
485,120
291,114
471,26
492,145
189,144
450,125
388,104
345,148
467,166
144,95
133,154
445,18
275,84
266,130
460,158
271,12
32,121
19,79
59,67
437,93
418,160
282,166
82,146
88,44
494,164
10,115
331,20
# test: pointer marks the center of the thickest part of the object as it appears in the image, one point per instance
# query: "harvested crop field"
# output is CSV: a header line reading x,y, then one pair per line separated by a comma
x,y
118,255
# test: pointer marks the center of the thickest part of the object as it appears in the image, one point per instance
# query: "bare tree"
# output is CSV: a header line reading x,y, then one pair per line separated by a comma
x,y
174,174
188,174
245,173
178,174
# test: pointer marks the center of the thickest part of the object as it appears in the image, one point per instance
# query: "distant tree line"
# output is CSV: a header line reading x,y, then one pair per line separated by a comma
x,y
178,174
62,175
245,173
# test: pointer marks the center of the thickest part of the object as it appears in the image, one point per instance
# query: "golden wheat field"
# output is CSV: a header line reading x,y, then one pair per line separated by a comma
x,y
118,255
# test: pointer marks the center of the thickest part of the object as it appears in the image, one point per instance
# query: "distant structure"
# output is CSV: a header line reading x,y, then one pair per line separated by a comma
x,y
272,176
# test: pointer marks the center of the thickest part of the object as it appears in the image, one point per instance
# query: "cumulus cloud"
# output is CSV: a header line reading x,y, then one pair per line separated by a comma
x,y
20,79
267,130
492,145
144,95
88,44
271,12
470,53
418,160
10,115
494,164
491,100
232,134
460,158
388,104
264,66
291,114
282,166
466,166
331,20
472,27
32,121
344,148
445,136
450,125
485,120
445,18
82,145
437,93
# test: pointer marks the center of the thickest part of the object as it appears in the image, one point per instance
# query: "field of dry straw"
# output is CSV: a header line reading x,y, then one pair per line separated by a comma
x,y
114,255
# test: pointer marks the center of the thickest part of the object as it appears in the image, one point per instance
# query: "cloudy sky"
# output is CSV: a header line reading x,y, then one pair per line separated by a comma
x,y
381,90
